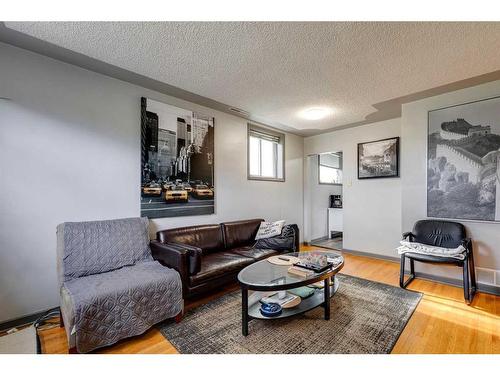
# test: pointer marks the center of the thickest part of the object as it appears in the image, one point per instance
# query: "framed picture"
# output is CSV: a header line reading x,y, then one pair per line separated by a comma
x,y
177,161
463,161
378,159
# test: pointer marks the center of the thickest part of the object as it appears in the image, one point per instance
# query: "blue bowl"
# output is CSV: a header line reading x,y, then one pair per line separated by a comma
x,y
270,309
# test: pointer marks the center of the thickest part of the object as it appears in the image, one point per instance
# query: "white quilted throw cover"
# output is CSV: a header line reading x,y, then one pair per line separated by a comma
x,y
415,247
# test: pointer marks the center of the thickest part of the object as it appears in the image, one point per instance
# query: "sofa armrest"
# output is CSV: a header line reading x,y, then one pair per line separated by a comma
x,y
408,235
295,228
185,259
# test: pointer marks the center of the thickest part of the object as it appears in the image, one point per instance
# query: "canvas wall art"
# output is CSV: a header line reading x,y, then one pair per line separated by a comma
x,y
177,161
463,165
378,159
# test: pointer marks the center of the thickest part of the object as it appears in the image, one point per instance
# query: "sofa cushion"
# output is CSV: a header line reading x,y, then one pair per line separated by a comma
x,y
218,264
240,233
253,253
92,247
206,237
122,303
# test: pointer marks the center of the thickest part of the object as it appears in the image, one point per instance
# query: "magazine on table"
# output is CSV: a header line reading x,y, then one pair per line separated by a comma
x,y
274,298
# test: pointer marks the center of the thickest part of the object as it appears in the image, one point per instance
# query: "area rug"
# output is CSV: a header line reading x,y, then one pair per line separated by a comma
x,y
366,318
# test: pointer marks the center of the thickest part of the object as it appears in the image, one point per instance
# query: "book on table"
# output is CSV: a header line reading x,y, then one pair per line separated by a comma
x,y
302,272
280,301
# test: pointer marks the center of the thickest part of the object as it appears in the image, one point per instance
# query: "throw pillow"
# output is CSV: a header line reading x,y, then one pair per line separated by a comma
x,y
268,229
285,241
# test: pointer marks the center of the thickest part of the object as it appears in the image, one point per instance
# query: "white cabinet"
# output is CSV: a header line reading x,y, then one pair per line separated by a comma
x,y
335,220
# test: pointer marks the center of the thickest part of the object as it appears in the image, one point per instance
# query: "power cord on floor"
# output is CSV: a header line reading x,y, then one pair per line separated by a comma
x,y
47,315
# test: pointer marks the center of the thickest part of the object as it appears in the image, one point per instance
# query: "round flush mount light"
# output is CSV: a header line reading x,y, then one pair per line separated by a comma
x,y
316,113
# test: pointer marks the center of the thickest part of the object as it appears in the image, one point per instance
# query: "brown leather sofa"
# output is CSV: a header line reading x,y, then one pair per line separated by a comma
x,y
210,256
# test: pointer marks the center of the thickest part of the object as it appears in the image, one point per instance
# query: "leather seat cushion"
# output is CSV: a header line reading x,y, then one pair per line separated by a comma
x,y
439,233
240,233
254,253
207,237
217,264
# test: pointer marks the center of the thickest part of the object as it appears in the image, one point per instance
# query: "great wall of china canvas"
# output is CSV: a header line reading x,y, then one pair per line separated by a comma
x,y
463,161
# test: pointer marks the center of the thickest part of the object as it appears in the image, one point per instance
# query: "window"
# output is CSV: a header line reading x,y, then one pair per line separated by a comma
x,y
330,168
265,154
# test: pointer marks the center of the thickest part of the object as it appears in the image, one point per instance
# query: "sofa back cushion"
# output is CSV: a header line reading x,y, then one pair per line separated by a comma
x,y
207,237
240,233
92,247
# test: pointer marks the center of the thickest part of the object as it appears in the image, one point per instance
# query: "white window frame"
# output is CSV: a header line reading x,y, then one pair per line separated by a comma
x,y
278,139
327,166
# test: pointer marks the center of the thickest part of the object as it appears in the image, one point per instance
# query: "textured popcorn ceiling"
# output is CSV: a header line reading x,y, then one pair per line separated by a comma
x,y
275,70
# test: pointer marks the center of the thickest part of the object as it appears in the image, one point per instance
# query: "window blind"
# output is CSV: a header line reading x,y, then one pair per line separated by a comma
x,y
266,136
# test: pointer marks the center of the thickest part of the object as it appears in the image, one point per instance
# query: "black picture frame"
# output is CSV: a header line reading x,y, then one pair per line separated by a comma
x,y
395,174
439,207
177,161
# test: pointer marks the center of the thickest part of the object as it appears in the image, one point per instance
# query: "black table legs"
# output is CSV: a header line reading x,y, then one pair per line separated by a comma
x,y
327,298
244,311
250,313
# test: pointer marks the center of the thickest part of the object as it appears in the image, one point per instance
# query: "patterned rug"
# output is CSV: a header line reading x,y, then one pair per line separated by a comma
x,y
366,318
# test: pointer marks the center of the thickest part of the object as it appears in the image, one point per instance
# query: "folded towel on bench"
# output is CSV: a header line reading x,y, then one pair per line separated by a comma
x,y
415,247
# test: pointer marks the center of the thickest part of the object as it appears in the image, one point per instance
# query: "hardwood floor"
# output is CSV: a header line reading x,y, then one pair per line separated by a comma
x,y
442,322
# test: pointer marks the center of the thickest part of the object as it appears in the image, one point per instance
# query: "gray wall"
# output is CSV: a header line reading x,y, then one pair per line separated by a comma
x,y
376,212
70,151
486,235
372,208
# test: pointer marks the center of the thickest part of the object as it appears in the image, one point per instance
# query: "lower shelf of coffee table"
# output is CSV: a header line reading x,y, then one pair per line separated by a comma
x,y
305,305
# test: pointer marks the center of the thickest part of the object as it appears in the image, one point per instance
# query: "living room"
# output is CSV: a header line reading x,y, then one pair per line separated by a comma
x,y
249,187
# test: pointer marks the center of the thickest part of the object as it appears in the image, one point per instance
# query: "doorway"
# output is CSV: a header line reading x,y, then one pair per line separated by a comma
x,y
325,200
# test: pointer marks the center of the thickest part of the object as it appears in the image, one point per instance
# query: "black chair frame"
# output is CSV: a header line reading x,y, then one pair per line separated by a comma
x,y
467,264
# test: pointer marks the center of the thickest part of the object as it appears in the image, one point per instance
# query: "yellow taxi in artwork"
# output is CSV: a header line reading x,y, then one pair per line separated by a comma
x,y
152,189
176,194
187,187
202,191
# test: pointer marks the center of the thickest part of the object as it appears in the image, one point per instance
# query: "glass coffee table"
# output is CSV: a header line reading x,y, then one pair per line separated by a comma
x,y
264,276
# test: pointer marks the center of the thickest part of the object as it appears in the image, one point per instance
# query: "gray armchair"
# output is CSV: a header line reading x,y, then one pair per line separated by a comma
x,y
110,286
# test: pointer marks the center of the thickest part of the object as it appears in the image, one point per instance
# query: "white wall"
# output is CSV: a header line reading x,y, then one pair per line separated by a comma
x,y
372,208
70,151
486,235
320,200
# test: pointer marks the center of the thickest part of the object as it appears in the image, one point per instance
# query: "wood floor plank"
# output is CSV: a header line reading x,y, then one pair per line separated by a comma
x,y
442,322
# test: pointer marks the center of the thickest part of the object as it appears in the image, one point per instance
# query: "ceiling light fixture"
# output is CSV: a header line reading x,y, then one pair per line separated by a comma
x,y
316,113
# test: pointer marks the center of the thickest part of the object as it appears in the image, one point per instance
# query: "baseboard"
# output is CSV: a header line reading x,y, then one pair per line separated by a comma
x,y
485,288
27,319
371,255
320,239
